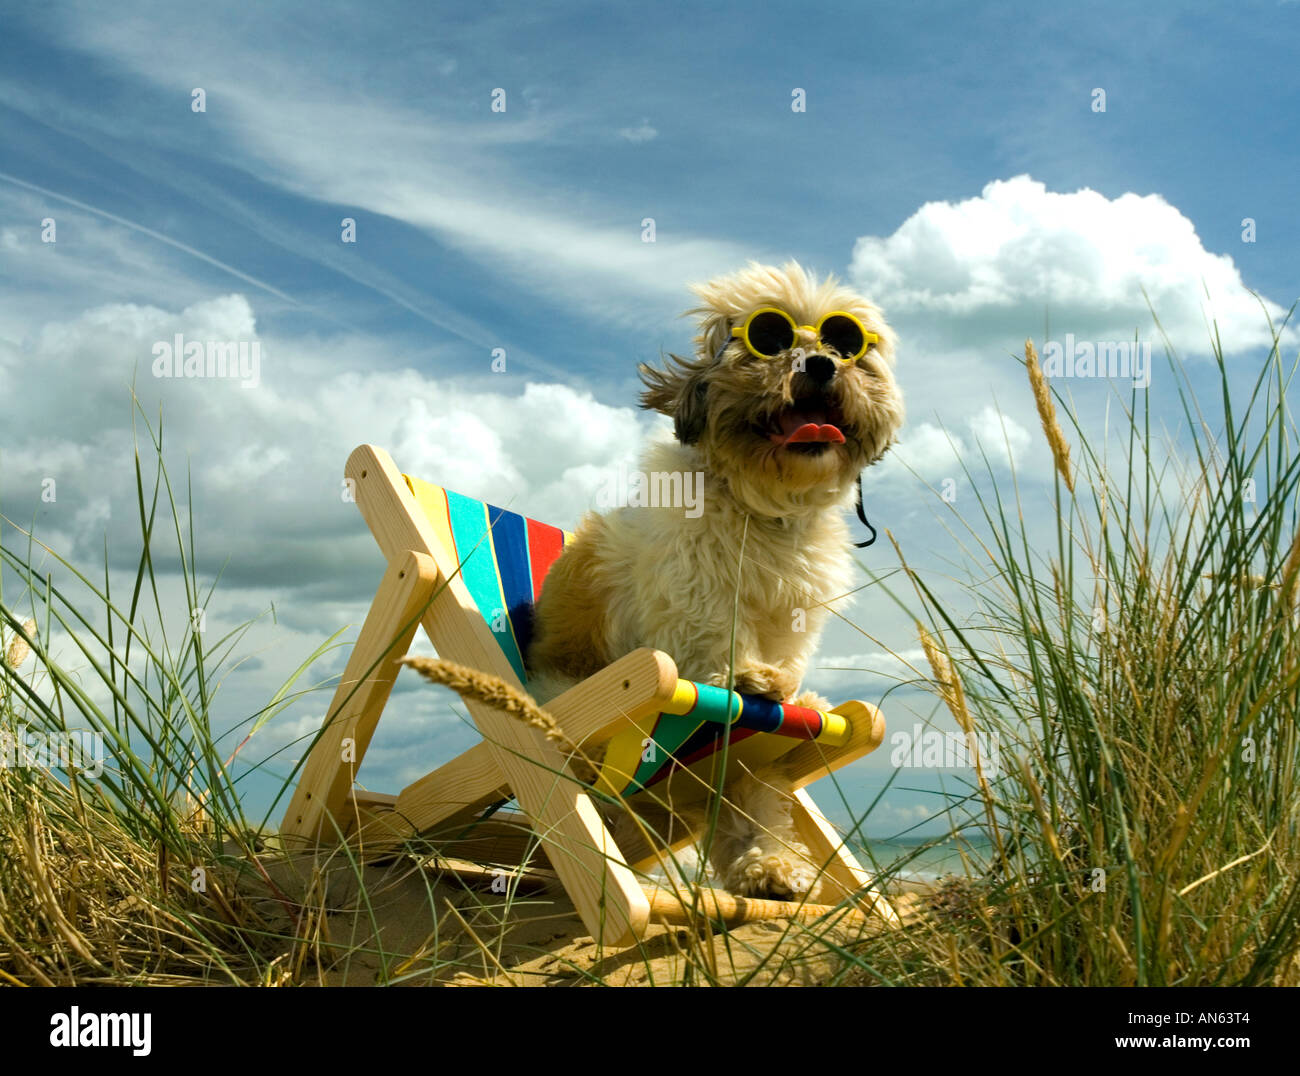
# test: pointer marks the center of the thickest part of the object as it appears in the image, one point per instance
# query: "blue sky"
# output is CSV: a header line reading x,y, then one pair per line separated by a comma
x,y
949,163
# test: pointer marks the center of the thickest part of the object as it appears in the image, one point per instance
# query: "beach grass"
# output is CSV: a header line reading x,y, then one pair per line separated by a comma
x,y
1139,670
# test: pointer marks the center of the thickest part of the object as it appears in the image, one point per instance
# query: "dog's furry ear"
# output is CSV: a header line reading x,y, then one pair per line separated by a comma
x,y
680,392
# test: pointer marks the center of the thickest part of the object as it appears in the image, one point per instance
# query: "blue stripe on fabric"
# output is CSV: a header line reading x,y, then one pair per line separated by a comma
x,y
760,714
479,571
510,543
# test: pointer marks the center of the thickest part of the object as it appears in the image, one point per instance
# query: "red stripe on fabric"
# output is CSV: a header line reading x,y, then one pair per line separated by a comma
x,y
800,721
451,531
737,735
545,544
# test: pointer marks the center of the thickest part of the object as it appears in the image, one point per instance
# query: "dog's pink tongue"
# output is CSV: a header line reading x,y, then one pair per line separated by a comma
x,y
810,431
800,427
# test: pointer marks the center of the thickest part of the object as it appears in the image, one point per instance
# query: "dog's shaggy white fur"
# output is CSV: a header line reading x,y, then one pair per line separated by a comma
x,y
657,577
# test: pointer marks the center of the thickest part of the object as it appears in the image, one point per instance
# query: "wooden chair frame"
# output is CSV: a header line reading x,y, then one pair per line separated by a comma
x,y
516,760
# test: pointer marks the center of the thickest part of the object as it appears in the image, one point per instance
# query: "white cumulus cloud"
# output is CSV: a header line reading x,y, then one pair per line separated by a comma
x,y
930,452
1000,261
1000,436
271,456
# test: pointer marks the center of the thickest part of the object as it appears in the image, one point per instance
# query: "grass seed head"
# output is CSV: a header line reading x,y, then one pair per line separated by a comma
x,y
1047,416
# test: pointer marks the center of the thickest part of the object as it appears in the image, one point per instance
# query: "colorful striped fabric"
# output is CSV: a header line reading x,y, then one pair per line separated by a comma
x,y
504,558
694,726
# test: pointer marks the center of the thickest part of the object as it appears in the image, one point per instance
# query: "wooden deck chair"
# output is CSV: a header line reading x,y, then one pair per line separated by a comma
x,y
469,573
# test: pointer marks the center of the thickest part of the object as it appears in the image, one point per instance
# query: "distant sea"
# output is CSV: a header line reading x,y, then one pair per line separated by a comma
x,y
925,859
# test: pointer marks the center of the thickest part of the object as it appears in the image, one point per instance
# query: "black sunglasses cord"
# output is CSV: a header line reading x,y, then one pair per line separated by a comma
x,y
863,516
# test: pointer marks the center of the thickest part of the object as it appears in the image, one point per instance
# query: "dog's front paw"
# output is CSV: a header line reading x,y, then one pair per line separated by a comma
x,y
811,700
763,679
780,875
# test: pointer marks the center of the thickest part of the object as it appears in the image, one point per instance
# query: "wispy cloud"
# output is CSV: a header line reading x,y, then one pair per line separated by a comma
x,y
460,181
152,234
642,132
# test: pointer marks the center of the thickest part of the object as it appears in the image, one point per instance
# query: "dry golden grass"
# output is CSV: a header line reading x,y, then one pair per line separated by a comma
x,y
1047,416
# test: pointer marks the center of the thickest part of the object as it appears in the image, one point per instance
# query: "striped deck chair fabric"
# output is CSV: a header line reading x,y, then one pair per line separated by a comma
x,y
504,558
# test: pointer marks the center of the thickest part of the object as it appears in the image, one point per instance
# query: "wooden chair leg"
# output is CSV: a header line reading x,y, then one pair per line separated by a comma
x,y
830,853
804,764
317,811
629,689
583,852
810,761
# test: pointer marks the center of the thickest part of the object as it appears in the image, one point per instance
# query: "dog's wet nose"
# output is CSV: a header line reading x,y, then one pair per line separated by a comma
x,y
820,368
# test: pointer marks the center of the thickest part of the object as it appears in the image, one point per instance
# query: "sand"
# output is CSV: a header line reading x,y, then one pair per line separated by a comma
x,y
530,937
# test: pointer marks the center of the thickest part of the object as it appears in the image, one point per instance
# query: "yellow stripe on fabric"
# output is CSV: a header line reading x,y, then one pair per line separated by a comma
x,y
622,758
433,502
683,700
462,525
835,730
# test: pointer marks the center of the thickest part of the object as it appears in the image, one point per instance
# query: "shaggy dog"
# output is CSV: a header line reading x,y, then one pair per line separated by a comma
x,y
780,417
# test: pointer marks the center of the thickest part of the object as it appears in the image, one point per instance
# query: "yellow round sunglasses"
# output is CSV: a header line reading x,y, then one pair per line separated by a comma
x,y
768,331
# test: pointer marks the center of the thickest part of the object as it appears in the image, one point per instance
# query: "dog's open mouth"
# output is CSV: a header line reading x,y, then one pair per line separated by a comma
x,y
806,426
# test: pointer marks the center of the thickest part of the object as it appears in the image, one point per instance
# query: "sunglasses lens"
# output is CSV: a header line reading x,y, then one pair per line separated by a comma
x,y
770,333
844,335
